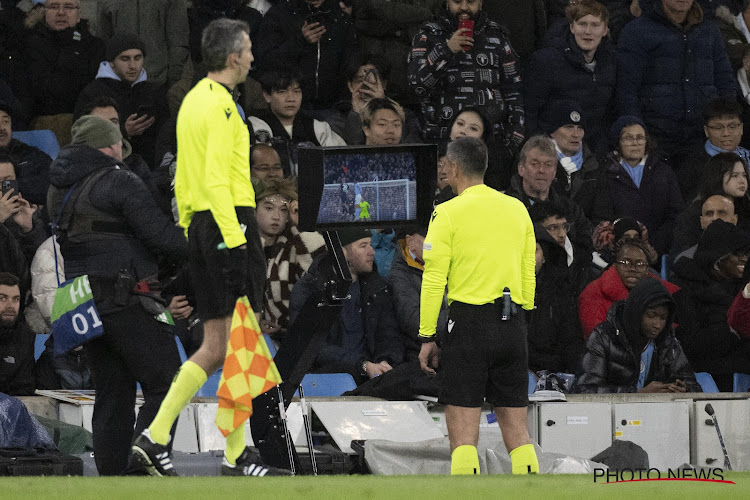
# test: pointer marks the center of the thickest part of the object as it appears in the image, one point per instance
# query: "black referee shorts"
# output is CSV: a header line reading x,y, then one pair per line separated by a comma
x,y
213,297
483,357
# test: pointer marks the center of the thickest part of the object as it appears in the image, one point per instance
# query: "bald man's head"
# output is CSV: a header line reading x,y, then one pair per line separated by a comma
x,y
718,207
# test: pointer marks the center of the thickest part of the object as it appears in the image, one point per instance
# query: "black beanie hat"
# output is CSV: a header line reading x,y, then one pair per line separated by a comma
x,y
625,224
121,42
350,235
563,112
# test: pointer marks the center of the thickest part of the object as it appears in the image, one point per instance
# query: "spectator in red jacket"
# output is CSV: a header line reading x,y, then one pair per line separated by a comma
x,y
631,266
738,315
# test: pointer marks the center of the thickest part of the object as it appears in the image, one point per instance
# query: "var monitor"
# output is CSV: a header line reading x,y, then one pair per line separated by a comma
x,y
370,186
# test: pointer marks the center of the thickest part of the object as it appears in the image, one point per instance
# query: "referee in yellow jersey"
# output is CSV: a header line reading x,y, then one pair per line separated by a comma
x,y
482,243
216,203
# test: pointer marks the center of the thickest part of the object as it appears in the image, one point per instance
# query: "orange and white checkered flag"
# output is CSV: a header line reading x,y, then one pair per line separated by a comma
x,y
249,370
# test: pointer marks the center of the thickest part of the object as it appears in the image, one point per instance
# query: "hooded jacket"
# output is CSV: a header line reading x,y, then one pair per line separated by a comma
x,y
129,97
280,41
704,331
60,64
600,294
122,195
560,72
487,77
613,352
161,24
667,73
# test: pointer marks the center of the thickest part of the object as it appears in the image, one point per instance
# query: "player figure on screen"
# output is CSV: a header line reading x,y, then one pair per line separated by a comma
x,y
364,210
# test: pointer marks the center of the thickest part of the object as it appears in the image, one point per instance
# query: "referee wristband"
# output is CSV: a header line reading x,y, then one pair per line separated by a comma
x,y
426,340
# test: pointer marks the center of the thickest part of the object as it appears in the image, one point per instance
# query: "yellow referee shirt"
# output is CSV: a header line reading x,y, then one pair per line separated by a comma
x,y
213,160
480,242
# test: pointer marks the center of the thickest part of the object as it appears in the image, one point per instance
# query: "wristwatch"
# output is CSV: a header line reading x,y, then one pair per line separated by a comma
x,y
364,367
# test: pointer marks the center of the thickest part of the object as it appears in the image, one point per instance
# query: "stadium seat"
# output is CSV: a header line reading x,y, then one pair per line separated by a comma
x,y
664,273
532,383
741,382
39,346
42,139
211,386
270,344
327,384
706,382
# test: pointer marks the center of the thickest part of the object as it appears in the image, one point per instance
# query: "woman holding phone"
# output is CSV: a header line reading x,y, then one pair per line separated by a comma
x,y
581,65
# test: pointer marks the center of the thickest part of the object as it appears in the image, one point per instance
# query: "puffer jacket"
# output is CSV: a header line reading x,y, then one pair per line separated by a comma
x,y
734,40
612,360
667,74
280,42
60,64
487,77
146,232
600,294
559,72
161,24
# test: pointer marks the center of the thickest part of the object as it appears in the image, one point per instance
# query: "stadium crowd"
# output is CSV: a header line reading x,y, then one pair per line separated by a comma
x,y
619,124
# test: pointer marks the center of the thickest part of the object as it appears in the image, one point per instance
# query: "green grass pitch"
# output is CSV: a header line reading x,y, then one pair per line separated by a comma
x,y
365,487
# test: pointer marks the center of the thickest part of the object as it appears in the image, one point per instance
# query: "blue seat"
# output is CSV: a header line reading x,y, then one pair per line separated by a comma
x,y
211,386
327,384
270,344
532,383
664,273
39,346
42,139
741,382
706,382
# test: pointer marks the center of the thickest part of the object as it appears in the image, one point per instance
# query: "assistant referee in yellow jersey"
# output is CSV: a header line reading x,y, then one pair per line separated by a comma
x,y
216,203
482,243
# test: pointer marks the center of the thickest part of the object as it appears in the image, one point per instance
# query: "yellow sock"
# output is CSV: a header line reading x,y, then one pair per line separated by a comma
x,y
464,460
235,444
524,460
190,377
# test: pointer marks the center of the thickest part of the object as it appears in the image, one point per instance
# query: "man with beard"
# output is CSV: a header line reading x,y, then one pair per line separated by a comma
x,y
452,67
16,342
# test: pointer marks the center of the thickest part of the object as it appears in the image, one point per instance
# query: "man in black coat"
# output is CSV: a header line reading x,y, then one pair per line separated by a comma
x,y
709,283
635,349
111,230
365,341
16,342
142,104
31,163
61,56
317,37
537,169
554,332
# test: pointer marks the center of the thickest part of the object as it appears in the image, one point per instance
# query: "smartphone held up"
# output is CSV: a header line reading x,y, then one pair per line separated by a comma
x,y
466,24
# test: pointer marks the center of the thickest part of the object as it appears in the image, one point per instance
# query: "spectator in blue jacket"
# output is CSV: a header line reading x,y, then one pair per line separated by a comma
x,y
671,63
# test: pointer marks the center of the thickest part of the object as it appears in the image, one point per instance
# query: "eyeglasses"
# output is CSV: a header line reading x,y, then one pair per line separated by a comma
x,y
732,127
556,228
67,7
638,265
633,139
